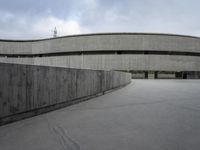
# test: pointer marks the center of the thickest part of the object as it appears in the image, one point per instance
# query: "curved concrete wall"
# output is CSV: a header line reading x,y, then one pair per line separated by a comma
x,y
27,90
116,62
175,48
104,41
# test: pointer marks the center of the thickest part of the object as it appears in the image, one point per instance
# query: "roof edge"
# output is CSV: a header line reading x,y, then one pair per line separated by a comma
x,y
103,33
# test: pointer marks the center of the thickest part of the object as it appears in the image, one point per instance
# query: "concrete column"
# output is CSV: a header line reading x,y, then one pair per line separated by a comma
x,y
156,74
146,74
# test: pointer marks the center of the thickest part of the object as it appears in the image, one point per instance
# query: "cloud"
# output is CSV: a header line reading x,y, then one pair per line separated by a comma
x,y
30,19
64,27
6,16
26,27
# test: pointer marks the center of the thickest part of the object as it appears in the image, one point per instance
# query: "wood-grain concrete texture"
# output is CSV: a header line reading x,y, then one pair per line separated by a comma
x,y
24,88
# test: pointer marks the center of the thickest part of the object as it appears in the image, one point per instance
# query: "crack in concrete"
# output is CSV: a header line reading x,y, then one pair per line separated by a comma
x,y
66,141
60,134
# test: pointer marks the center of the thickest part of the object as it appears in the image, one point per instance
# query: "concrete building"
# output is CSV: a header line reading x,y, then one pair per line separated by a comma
x,y
145,55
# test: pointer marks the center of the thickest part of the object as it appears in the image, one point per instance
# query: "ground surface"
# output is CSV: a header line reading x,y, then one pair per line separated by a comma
x,y
145,115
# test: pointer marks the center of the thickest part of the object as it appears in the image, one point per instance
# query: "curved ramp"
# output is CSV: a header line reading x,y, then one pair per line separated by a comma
x,y
146,114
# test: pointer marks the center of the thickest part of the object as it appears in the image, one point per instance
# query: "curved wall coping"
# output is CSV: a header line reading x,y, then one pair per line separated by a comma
x,y
99,34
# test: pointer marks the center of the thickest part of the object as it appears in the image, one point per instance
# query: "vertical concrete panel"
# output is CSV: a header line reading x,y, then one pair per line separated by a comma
x,y
4,89
29,88
17,89
65,84
81,87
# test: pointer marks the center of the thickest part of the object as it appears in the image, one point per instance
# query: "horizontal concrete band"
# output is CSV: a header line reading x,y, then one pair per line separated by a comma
x,y
104,41
27,90
106,52
115,62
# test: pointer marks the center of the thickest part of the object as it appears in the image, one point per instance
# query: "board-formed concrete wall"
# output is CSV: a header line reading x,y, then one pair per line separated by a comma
x,y
27,90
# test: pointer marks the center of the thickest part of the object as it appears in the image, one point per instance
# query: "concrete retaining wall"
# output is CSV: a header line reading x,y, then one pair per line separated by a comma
x,y
27,90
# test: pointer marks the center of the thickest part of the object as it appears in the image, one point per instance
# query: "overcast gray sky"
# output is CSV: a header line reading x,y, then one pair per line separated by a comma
x,y
27,19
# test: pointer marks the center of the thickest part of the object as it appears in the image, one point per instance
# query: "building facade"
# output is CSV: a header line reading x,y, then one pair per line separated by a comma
x,y
145,55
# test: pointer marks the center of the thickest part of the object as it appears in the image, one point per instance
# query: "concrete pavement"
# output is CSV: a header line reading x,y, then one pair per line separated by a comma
x,y
146,114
